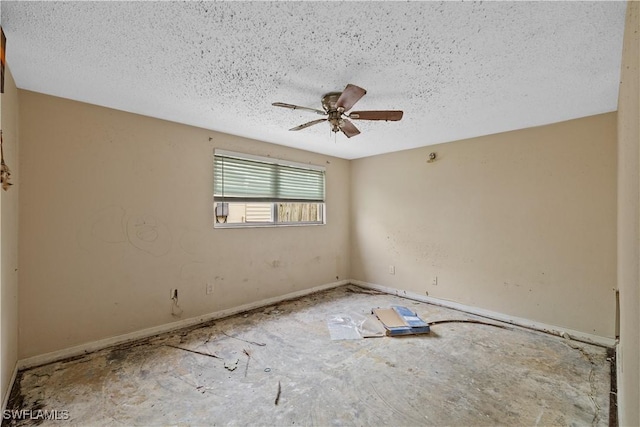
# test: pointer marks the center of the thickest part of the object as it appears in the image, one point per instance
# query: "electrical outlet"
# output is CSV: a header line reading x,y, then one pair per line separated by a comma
x,y
434,281
209,288
392,269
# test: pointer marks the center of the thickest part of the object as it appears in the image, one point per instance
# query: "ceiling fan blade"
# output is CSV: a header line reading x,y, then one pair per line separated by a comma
x,y
297,107
306,125
349,129
388,115
350,95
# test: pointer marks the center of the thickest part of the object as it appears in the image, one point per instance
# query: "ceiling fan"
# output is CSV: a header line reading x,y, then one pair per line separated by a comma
x,y
336,105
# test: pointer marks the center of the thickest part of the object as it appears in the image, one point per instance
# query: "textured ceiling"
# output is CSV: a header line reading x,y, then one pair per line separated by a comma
x,y
458,70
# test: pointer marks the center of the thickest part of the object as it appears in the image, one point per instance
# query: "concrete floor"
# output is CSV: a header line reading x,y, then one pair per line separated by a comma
x,y
461,374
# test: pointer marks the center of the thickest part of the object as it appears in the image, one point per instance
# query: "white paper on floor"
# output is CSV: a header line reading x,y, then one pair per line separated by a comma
x,y
372,327
354,326
345,326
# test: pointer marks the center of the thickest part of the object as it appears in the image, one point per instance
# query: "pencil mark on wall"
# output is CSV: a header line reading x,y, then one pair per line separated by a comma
x,y
112,224
106,225
149,234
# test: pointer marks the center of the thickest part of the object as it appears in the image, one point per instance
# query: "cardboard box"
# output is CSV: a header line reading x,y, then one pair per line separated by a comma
x,y
399,320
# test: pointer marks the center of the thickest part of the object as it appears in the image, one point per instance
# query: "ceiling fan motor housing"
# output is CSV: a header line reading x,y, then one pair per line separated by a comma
x,y
329,101
334,118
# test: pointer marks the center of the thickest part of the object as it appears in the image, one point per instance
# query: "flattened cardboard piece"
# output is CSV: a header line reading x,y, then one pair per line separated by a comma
x,y
400,320
389,317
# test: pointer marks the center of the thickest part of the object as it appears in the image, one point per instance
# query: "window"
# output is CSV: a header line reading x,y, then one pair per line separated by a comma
x,y
259,191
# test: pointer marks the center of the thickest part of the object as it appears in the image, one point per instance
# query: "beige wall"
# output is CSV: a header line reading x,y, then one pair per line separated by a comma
x,y
116,209
628,223
521,223
9,237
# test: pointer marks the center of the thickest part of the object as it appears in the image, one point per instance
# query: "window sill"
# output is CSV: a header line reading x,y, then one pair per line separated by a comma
x,y
269,225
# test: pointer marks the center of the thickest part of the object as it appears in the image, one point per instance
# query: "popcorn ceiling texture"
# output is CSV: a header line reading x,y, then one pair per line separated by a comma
x,y
458,70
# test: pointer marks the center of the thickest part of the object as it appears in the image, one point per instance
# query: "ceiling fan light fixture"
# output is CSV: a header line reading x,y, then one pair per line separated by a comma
x,y
336,104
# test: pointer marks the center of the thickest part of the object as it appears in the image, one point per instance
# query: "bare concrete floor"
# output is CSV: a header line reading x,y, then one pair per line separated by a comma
x,y
461,374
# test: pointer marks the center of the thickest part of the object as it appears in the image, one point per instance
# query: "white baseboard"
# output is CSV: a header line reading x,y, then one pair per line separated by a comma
x,y
518,321
169,327
5,401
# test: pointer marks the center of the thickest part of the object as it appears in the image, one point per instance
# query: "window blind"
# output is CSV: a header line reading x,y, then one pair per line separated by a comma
x,y
248,179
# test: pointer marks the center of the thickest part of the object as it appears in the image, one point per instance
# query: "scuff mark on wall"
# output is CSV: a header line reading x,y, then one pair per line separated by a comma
x,y
276,263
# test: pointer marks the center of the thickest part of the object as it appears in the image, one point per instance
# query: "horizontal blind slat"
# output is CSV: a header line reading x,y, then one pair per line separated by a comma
x,y
250,179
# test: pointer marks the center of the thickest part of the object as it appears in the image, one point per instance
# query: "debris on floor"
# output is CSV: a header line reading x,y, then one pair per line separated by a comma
x,y
231,365
261,344
478,322
355,326
469,373
371,327
359,290
278,394
593,387
246,368
399,320
194,351
345,326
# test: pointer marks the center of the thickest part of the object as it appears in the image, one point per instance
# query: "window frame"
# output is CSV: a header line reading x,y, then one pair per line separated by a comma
x,y
274,203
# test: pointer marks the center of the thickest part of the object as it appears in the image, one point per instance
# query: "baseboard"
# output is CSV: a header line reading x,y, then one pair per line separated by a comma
x,y
5,401
518,321
90,347
169,327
